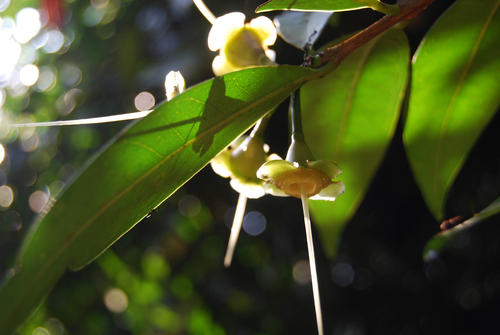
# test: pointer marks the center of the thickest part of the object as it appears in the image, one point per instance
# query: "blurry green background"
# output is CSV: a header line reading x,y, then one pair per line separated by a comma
x,y
75,59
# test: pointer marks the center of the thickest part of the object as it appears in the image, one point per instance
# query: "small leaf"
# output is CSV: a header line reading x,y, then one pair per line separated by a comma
x,y
141,167
328,5
301,28
350,117
454,94
311,5
441,240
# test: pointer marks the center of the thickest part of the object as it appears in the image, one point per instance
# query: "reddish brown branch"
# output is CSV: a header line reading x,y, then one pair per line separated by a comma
x,y
409,9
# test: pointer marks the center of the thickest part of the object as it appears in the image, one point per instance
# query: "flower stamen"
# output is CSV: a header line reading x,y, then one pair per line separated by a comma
x,y
312,261
235,229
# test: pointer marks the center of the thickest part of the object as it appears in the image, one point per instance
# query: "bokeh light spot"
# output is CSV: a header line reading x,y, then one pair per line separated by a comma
x,y
47,79
343,274
189,206
28,24
38,200
6,196
55,41
254,223
116,300
301,273
2,153
144,101
29,74
4,4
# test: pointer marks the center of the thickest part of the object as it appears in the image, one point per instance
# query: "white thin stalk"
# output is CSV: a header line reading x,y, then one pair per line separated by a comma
x,y
235,229
205,11
312,262
92,120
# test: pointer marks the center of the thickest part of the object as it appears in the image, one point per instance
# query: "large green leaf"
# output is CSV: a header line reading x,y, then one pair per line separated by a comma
x,y
350,117
327,5
134,173
454,94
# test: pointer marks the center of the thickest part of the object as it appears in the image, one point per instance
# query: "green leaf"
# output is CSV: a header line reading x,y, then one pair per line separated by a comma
x,y
441,240
454,94
350,117
134,173
311,5
327,6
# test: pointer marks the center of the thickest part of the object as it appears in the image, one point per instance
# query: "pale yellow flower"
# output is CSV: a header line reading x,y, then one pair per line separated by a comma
x,y
241,44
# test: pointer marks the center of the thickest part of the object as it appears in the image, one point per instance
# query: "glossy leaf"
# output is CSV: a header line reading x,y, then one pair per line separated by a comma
x,y
441,240
134,173
454,94
349,117
311,5
301,28
327,5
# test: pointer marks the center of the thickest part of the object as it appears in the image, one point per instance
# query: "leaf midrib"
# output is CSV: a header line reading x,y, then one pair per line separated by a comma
x,y
454,100
350,100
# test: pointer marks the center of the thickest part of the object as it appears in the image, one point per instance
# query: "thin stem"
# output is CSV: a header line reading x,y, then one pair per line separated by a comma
x,y
296,117
312,261
235,229
409,9
205,11
92,120
260,127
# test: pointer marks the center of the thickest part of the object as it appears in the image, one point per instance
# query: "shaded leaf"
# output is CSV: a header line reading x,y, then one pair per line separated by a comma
x,y
454,94
350,117
441,240
301,28
141,167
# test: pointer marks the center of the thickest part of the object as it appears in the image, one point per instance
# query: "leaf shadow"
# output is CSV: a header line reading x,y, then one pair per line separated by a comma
x,y
209,118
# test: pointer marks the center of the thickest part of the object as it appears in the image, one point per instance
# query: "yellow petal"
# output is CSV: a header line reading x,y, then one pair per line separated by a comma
x,y
223,27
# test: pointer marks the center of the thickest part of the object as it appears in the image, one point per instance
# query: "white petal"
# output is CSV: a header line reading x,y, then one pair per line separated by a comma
x,y
271,54
265,28
220,168
223,27
331,192
221,66
250,190
273,190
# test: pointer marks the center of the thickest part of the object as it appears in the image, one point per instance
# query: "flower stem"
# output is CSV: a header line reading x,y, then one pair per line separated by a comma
x,y
295,117
312,262
235,229
205,11
92,120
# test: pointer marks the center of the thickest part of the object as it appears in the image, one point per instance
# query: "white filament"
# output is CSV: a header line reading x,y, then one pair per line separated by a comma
x,y
235,229
92,120
205,11
312,262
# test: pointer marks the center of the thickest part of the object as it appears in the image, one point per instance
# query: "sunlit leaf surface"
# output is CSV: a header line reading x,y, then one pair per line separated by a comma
x,y
454,93
134,173
311,5
350,117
